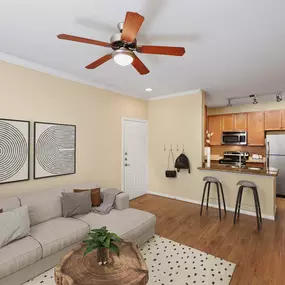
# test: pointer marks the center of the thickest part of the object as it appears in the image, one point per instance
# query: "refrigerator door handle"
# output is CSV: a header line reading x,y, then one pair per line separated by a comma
x,y
267,155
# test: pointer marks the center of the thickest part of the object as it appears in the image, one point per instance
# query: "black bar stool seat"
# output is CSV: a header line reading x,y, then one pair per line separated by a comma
x,y
248,184
211,179
208,181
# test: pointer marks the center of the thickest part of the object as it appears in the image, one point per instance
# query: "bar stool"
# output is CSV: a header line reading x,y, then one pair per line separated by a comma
x,y
247,184
209,180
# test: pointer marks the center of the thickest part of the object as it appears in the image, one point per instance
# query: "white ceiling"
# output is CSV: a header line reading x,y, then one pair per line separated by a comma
x,y
233,48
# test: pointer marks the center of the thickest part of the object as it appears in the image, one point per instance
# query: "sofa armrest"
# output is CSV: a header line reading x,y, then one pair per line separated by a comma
x,y
122,201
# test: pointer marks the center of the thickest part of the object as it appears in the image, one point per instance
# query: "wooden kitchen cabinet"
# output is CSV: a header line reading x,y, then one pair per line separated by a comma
x,y
240,122
273,120
256,132
235,122
227,122
283,119
215,126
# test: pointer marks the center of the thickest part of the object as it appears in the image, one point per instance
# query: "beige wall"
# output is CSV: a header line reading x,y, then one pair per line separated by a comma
x,y
177,120
247,108
34,96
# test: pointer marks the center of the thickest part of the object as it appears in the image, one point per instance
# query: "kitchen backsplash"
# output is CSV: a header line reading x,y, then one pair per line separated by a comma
x,y
220,149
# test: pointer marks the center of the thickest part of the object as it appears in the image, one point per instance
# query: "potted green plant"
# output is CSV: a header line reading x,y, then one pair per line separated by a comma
x,y
103,241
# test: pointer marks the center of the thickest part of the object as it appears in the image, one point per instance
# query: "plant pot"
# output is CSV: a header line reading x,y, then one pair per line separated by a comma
x,y
103,256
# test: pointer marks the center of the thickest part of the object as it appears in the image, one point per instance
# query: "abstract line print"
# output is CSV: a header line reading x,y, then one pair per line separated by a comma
x,y
55,150
14,150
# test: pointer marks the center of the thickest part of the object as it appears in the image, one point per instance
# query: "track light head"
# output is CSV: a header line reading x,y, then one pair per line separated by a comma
x,y
229,103
254,99
279,97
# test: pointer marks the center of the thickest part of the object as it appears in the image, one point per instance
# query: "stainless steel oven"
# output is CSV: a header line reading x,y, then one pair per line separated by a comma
x,y
234,138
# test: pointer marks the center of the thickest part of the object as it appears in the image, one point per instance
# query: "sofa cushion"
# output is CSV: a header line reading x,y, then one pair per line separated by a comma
x,y
19,254
43,206
84,185
95,195
14,224
56,234
9,204
128,223
76,203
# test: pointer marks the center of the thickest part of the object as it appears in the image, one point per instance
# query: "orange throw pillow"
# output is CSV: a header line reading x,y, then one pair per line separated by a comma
x,y
95,195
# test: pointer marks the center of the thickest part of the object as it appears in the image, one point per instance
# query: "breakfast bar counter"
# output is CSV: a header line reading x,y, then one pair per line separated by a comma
x,y
243,170
229,176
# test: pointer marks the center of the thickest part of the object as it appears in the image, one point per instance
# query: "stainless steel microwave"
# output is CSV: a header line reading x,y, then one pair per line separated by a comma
x,y
234,138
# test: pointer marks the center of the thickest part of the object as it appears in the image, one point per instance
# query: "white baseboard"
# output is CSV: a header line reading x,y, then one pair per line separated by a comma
x,y
249,213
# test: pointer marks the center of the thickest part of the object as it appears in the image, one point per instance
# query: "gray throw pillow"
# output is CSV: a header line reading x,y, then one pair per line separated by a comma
x,y
14,224
76,203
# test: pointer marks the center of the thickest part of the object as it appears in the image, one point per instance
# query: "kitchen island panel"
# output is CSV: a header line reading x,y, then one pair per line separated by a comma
x,y
266,189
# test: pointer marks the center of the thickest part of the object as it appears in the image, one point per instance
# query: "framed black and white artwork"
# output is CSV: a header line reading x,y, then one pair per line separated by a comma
x,y
54,149
14,150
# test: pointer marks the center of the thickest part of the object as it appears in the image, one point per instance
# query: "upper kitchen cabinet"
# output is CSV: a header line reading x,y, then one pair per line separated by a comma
x,y
240,122
256,132
273,120
234,122
227,122
215,126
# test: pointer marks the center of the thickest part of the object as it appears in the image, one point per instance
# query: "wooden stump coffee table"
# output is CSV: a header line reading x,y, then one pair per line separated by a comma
x,y
127,269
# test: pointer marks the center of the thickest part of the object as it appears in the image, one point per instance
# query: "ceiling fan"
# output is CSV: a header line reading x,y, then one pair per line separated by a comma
x,y
124,45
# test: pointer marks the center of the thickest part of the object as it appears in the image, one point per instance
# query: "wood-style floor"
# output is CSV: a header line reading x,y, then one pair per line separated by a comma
x,y
260,256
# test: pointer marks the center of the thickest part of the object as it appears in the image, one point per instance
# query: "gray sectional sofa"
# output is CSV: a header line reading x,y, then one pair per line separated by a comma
x,y
52,236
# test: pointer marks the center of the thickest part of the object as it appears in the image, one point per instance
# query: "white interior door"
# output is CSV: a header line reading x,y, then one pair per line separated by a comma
x,y
135,137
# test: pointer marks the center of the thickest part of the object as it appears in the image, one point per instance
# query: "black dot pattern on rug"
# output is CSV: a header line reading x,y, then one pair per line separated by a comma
x,y
171,263
175,263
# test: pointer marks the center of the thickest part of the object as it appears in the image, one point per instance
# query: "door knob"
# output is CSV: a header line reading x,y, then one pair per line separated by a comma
x,y
126,164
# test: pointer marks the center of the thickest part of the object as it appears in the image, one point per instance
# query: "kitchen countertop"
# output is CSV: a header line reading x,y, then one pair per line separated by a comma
x,y
244,170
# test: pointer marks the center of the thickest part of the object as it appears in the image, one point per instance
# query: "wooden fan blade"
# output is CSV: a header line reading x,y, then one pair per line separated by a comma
x,y
82,40
132,24
139,66
165,50
99,61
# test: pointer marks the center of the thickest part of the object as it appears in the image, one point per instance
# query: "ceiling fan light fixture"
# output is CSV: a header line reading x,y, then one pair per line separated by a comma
x,y
123,56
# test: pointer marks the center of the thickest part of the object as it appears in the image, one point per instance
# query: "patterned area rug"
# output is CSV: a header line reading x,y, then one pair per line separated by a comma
x,y
172,263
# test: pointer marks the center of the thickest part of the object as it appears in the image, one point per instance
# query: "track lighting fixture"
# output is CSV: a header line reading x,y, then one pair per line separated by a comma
x,y
279,97
254,99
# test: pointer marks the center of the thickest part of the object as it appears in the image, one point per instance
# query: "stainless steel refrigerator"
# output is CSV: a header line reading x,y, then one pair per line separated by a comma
x,y
275,150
